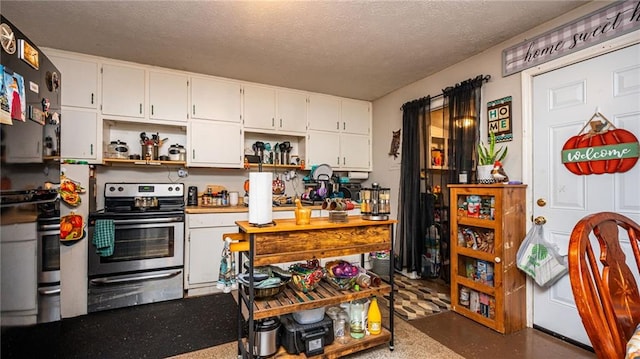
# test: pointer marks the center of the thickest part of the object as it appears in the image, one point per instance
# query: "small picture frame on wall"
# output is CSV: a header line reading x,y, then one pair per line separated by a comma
x,y
28,54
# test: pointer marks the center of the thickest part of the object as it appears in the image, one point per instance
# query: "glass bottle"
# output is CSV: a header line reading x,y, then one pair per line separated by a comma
x,y
356,316
374,318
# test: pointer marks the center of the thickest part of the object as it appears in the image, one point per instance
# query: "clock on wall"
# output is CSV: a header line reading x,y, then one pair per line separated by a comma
x,y
8,39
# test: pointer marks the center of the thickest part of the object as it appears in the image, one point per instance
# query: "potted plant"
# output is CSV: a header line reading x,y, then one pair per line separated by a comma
x,y
487,156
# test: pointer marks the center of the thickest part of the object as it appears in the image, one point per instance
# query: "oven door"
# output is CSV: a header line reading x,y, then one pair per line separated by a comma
x,y
141,244
49,253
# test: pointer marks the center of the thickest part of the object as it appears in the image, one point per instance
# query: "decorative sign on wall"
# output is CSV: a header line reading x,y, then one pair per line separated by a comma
x,y
607,23
604,149
499,119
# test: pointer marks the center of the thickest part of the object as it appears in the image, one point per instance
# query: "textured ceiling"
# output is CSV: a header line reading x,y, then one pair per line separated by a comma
x,y
357,49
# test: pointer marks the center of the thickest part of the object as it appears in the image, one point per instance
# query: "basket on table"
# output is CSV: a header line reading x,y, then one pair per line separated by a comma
x,y
341,274
306,276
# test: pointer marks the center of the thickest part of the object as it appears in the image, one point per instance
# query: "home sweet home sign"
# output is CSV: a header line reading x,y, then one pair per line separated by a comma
x,y
616,19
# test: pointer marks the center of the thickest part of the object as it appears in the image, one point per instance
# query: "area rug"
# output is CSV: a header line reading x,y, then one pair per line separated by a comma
x,y
413,300
409,343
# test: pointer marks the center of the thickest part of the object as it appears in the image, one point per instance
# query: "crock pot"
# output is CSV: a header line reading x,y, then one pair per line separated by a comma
x,y
266,338
118,149
177,153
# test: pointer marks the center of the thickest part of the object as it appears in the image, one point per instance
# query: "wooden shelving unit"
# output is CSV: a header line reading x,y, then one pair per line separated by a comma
x,y
285,242
486,285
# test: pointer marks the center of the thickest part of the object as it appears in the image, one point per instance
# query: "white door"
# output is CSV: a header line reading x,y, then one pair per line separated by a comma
x,y
259,107
168,96
563,101
213,99
79,134
123,91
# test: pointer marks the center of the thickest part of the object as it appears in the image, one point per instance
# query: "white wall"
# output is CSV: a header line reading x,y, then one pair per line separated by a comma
x,y
387,115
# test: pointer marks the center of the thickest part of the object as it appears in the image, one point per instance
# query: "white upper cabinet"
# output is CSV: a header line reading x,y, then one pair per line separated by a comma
x,y
323,148
215,144
168,96
80,81
79,135
324,113
259,107
213,99
292,112
356,117
123,91
271,109
355,152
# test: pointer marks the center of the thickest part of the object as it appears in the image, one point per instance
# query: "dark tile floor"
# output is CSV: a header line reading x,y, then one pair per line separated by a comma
x,y
473,340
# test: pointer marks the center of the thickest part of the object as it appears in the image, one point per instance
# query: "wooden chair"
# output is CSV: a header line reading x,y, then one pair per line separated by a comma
x,y
607,300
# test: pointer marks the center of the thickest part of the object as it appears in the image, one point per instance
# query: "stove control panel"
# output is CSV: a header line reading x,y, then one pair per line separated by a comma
x,y
143,189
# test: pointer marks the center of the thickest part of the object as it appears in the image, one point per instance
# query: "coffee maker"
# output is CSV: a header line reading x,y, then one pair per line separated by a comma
x,y
192,196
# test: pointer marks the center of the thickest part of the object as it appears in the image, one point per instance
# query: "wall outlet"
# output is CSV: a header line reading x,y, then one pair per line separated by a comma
x,y
182,173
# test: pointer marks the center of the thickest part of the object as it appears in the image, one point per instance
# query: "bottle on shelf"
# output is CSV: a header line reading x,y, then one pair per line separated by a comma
x,y
356,316
374,318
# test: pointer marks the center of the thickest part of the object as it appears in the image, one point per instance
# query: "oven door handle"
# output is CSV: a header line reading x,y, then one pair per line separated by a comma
x,y
148,220
45,291
133,278
48,227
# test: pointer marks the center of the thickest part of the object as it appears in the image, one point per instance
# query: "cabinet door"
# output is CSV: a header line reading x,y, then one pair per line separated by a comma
x,y
215,100
323,148
80,79
123,91
205,248
215,144
259,107
23,141
79,134
355,152
18,261
356,117
324,113
168,96
292,111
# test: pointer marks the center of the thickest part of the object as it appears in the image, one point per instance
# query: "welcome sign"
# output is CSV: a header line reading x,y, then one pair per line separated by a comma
x,y
607,23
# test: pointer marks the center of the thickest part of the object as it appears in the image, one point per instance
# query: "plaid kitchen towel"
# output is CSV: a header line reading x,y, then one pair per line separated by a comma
x,y
104,237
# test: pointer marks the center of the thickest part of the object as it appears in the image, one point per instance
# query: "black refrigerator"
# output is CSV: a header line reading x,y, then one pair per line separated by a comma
x,y
30,102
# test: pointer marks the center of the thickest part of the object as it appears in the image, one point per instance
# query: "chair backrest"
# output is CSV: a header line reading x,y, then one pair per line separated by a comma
x,y
607,299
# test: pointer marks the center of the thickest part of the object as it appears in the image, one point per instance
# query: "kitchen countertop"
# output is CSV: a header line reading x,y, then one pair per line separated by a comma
x,y
238,209
19,214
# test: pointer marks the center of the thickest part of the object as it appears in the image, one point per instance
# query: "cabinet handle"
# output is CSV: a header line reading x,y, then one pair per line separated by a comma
x,y
38,148
193,154
152,109
194,109
273,121
337,125
338,159
344,161
344,126
91,149
497,259
280,123
92,99
141,109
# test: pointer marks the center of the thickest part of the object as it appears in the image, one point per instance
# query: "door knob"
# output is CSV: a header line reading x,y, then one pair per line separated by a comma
x,y
541,202
540,220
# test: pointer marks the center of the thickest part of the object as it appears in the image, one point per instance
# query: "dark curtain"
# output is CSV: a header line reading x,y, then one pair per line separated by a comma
x,y
410,240
462,108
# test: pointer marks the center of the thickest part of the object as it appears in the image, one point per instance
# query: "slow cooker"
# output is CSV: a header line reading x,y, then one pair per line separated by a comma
x,y
118,149
177,153
266,337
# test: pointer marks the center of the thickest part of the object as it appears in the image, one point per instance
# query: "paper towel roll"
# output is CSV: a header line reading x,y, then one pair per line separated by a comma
x,y
260,200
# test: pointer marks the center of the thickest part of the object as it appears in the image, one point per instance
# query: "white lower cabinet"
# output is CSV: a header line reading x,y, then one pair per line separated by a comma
x,y
18,246
203,249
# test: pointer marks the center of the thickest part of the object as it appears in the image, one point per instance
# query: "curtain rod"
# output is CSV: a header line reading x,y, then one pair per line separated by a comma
x,y
484,78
